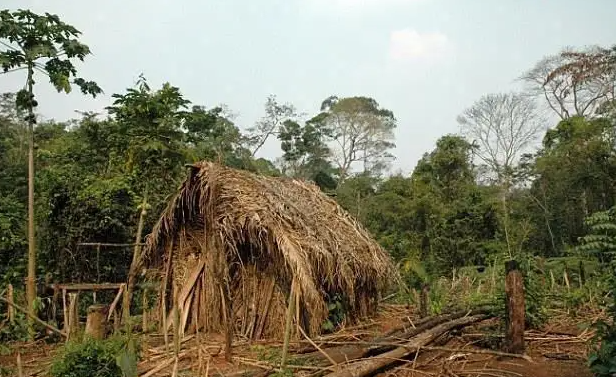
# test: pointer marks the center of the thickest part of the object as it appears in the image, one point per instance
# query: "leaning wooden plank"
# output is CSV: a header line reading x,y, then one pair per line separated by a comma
x,y
87,286
368,366
187,287
115,301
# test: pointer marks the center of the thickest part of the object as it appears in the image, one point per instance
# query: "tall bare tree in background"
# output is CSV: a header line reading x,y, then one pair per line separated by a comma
x,y
275,116
574,82
502,126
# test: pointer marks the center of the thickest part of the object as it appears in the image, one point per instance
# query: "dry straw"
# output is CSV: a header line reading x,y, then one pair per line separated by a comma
x,y
230,235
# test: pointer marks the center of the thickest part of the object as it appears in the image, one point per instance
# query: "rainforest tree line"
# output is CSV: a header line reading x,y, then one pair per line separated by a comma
x,y
521,176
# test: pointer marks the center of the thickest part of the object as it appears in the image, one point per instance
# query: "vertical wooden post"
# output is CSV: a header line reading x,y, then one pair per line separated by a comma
x,y
10,298
514,292
20,369
65,313
126,309
176,321
228,319
95,322
73,315
144,308
566,279
288,324
423,300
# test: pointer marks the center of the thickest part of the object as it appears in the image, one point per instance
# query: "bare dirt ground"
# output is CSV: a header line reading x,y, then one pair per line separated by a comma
x,y
557,350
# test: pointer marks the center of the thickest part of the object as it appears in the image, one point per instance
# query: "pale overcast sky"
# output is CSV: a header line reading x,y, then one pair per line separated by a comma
x,y
426,60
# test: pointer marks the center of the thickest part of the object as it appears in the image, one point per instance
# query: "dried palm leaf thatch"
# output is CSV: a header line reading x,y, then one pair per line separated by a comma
x,y
234,239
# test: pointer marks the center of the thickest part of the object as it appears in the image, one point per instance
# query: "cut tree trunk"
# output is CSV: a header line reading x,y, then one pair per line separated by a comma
x,y
96,321
514,292
347,353
368,366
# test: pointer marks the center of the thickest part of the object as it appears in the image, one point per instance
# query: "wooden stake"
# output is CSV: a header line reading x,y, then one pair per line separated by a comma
x,y
144,314
10,299
73,319
126,309
287,328
514,291
566,279
65,312
20,370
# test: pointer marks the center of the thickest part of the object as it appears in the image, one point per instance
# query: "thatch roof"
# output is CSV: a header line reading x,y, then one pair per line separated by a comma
x,y
234,219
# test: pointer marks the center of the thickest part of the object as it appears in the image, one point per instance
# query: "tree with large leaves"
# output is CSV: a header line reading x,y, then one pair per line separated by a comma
x,y
43,44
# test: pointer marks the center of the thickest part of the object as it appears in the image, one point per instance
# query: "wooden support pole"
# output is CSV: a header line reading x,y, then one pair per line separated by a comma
x,y
73,317
144,309
10,298
514,292
288,325
126,309
96,321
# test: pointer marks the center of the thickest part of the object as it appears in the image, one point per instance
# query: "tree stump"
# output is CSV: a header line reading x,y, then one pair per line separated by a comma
x,y
96,321
514,292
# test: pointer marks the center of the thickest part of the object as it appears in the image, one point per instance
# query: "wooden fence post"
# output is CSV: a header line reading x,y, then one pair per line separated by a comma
x,y
514,291
10,298
73,315
144,308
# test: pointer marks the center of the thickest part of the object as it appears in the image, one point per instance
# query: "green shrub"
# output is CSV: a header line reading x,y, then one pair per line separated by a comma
x,y
115,357
602,359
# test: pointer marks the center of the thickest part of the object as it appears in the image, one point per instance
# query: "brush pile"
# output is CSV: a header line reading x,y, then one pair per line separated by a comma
x,y
352,352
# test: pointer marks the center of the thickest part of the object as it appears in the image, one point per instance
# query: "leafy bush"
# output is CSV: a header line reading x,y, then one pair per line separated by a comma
x,y
15,331
110,358
602,359
337,313
601,242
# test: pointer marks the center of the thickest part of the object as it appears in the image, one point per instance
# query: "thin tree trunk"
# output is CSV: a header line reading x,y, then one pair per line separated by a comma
x,y
132,272
31,280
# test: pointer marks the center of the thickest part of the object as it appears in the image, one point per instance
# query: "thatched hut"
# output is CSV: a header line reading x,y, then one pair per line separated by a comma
x,y
234,242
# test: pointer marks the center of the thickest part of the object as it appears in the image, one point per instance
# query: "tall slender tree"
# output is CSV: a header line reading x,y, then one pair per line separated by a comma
x,y
46,45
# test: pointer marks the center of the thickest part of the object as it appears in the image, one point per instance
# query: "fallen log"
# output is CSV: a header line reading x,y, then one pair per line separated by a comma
x,y
356,351
371,365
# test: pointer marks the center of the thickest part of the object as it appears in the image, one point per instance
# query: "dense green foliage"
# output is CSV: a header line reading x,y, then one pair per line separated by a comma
x,y
108,358
600,243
